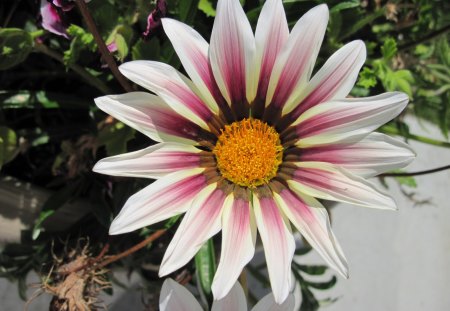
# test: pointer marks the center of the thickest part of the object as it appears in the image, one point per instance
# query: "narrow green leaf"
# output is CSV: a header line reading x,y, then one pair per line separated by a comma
x,y
322,285
313,269
345,5
15,46
205,262
206,7
8,144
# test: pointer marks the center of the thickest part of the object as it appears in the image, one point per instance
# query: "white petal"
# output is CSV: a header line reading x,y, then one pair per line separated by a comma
x,y
375,154
238,245
267,303
339,120
192,50
149,115
200,223
271,34
335,79
295,62
164,198
312,221
231,52
279,245
329,182
175,297
173,87
234,301
153,162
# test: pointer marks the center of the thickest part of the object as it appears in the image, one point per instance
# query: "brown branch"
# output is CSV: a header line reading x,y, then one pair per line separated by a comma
x,y
133,249
426,38
102,46
434,170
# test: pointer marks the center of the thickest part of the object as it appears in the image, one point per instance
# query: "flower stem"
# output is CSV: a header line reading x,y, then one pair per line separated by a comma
x,y
102,46
132,249
393,131
83,73
434,170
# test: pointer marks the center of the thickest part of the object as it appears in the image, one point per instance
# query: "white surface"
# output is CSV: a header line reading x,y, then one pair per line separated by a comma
x,y
398,260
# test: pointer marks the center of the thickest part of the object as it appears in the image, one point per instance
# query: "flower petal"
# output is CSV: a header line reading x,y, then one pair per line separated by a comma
x,y
149,115
279,245
335,79
231,52
153,162
51,20
234,300
295,62
201,222
271,34
192,50
339,120
238,245
173,87
329,182
312,221
175,297
164,198
375,154
267,303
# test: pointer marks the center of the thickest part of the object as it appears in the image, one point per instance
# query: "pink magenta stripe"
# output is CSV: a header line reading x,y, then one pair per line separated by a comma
x,y
297,206
188,98
316,178
333,118
328,87
272,218
173,160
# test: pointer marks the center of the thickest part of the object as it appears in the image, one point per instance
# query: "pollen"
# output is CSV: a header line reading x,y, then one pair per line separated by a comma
x,y
248,153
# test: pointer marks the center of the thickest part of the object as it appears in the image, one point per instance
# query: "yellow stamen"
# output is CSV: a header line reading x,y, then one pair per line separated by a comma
x,y
248,152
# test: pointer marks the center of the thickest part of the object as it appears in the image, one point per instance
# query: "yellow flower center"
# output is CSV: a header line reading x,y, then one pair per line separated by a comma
x,y
248,152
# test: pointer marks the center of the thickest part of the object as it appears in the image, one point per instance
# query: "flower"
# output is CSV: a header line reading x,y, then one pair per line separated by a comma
x,y
251,141
154,18
175,297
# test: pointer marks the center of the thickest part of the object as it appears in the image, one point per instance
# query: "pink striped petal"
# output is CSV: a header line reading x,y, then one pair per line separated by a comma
x,y
295,62
312,221
271,34
234,301
335,79
238,245
164,198
175,297
200,223
149,115
329,182
339,120
268,304
153,162
279,245
375,154
231,52
51,20
173,87
192,50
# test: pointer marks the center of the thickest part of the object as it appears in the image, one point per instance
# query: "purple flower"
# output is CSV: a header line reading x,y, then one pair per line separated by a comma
x,y
52,20
154,19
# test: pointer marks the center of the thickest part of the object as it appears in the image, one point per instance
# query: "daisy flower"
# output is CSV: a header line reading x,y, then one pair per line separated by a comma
x,y
175,297
251,141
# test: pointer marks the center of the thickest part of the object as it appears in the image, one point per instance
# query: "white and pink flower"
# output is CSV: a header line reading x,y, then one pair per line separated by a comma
x,y
251,141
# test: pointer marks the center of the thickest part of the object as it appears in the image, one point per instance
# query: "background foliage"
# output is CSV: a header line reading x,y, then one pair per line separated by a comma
x,y
51,133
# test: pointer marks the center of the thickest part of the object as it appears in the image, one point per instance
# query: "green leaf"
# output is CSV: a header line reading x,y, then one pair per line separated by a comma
x,y
367,78
122,46
322,285
146,49
389,49
15,46
345,5
205,262
313,269
115,137
8,145
206,7
302,251
188,10
37,229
